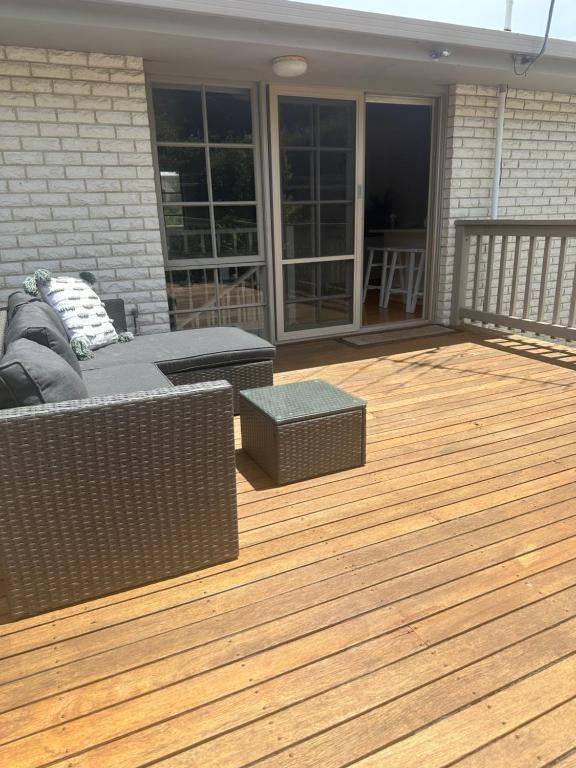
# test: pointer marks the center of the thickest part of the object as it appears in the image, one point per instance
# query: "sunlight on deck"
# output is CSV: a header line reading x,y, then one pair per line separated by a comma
x,y
417,612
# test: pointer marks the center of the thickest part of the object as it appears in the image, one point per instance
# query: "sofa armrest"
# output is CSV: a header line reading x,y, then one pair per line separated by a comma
x,y
103,494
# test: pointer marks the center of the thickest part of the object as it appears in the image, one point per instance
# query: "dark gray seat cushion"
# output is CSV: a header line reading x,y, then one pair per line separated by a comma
x,y
186,350
38,322
139,377
17,299
31,374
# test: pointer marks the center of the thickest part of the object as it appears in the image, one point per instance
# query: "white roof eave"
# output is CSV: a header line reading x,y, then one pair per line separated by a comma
x,y
360,22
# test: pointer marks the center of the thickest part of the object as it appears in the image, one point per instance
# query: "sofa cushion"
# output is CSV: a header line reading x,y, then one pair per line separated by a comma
x,y
31,374
40,323
186,350
124,379
17,299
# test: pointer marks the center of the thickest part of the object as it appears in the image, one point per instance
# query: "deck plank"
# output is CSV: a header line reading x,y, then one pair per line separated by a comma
x,y
538,743
420,610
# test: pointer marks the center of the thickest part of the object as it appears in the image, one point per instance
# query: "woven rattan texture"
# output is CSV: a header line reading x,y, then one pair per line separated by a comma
x,y
304,449
302,400
105,494
241,377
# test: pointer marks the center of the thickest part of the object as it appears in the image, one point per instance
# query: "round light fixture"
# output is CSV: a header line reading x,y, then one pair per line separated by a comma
x,y
442,53
289,66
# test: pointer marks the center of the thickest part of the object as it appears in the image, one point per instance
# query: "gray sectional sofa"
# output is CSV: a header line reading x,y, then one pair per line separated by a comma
x,y
182,357
134,479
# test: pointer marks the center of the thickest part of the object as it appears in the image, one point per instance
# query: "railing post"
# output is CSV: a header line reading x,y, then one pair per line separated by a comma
x,y
460,274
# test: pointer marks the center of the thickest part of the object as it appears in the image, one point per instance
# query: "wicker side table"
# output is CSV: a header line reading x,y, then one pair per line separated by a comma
x,y
297,431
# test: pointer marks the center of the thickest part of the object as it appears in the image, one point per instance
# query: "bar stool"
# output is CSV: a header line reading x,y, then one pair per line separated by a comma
x,y
416,264
377,259
408,266
397,268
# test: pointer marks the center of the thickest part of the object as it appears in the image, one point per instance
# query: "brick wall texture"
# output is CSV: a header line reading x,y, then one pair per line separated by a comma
x,y
538,169
77,185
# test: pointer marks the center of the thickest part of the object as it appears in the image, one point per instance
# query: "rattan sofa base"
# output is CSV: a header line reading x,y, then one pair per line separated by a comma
x,y
244,376
304,449
104,494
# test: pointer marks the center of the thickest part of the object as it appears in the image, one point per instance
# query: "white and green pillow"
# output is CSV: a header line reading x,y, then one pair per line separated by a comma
x,y
81,310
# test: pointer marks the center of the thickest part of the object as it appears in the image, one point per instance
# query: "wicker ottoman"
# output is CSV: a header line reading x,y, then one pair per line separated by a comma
x,y
302,430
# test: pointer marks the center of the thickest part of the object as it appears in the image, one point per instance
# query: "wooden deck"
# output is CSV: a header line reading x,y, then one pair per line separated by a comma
x,y
418,612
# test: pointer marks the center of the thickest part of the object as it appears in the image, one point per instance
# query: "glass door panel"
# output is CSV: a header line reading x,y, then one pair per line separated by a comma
x,y
316,213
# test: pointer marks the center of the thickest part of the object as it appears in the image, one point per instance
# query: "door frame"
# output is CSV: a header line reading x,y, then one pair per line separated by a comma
x,y
434,203
276,90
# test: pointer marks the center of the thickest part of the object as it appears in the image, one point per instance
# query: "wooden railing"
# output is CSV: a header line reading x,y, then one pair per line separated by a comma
x,y
516,274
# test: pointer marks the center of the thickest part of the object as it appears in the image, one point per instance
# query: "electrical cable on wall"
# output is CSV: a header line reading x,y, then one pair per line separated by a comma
x,y
528,60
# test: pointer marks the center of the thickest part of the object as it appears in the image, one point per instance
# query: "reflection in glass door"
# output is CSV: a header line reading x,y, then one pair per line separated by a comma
x,y
315,214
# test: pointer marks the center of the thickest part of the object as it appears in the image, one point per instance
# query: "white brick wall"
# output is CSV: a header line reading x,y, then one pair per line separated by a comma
x,y
538,163
76,176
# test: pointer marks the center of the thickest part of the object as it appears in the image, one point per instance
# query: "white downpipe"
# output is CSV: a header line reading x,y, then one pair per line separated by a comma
x,y
508,16
502,89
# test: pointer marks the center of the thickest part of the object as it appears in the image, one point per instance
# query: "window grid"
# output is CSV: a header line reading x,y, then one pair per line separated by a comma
x,y
210,203
217,306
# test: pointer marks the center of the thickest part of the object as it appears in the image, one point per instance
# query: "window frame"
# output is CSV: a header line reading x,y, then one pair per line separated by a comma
x,y
214,261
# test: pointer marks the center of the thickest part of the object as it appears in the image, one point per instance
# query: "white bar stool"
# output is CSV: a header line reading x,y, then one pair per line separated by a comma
x,y
416,264
408,266
397,268
377,259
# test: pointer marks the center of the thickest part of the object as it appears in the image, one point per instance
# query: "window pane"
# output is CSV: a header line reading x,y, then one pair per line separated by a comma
x,y
191,289
249,318
241,285
300,281
298,175
182,175
236,231
299,239
229,116
232,174
336,124
336,278
318,294
301,315
176,283
178,114
189,321
296,122
336,175
188,232
336,229
335,312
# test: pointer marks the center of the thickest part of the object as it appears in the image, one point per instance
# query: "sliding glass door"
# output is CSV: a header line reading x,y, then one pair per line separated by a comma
x,y
316,202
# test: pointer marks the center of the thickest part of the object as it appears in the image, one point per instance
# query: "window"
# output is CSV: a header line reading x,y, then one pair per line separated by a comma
x,y
318,166
318,294
207,166
199,298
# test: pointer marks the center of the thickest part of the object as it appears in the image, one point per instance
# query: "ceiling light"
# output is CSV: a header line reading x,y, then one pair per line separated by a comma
x,y
443,53
289,66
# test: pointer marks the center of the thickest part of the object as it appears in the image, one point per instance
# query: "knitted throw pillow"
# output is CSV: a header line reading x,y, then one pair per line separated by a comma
x,y
80,309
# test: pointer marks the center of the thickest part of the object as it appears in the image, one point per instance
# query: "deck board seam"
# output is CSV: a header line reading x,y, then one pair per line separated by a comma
x,y
348,681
